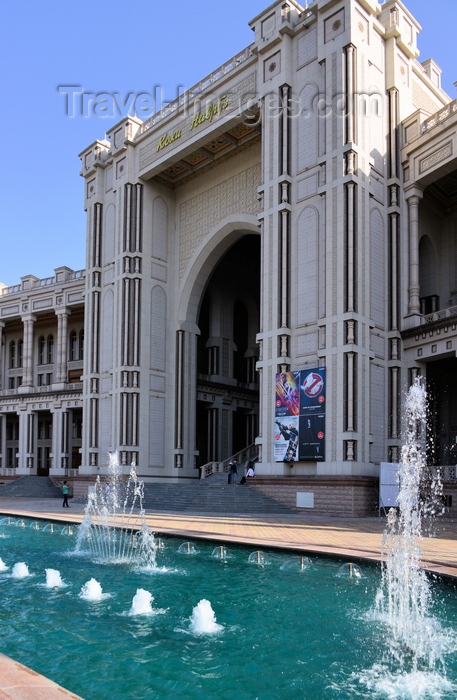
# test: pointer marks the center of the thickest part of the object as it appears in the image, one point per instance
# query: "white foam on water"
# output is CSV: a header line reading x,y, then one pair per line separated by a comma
x,y
141,603
203,619
54,579
20,570
414,685
91,590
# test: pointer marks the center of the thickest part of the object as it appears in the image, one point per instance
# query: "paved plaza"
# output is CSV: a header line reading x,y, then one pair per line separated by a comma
x,y
358,538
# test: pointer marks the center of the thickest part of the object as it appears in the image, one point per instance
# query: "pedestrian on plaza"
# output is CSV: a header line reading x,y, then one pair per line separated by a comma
x,y
65,494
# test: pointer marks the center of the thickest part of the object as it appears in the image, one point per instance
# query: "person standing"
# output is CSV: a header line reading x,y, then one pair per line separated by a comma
x,y
234,470
65,494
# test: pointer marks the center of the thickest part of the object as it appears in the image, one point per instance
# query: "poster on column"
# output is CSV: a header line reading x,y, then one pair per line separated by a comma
x,y
300,416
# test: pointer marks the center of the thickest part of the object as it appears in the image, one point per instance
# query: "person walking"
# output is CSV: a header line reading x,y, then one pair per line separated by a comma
x,y
65,494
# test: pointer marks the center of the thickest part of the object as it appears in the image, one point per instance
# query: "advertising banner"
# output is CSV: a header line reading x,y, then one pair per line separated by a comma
x,y
300,416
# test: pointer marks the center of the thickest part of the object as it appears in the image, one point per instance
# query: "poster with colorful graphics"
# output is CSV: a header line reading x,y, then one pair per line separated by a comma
x,y
312,390
286,439
287,394
300,416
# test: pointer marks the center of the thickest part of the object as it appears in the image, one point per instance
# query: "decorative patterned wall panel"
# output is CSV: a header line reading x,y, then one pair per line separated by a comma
x,y
157,431
378,412
307,47
158,328
307,128
307,261
105,428
378,261
199,214
159,229
109,225
107,331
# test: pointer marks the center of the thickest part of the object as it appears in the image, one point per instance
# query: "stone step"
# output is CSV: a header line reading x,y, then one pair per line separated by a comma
x,y
30,487
213,495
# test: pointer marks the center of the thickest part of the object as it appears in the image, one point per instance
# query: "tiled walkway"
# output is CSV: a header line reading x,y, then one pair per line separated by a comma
x,y
353,538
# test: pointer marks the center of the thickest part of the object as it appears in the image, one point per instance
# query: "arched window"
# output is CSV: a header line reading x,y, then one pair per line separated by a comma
x,y
20,347
81,345
41,350
50,358
73,346
13,353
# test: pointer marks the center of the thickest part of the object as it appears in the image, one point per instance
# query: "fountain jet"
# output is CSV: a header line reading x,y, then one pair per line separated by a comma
x,y
114,527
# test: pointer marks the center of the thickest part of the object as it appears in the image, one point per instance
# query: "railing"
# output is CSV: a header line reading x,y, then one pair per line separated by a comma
x,y
439,117
47,389
450,312
248,453
448,472
8,471
10,290
45,282
186,97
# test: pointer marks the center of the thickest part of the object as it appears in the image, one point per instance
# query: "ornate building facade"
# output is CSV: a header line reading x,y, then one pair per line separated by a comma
x,y
293,210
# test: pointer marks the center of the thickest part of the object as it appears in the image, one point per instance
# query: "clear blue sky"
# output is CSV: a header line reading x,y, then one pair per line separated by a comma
x,y
112,47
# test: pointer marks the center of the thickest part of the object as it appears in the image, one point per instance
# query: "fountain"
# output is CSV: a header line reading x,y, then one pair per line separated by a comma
x,y
288,627
417,641
92,591
141,603
114,527
20,570
203,619
54,579
283,630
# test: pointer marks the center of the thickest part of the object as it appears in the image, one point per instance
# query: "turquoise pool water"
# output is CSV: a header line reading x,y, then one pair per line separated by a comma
x,y
285,634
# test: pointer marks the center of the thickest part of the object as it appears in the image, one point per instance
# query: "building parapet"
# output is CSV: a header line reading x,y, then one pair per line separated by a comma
x,y
73,387
438,118
450,312
63,275
196,90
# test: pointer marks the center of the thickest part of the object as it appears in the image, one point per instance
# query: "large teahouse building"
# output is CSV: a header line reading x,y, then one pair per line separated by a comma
x,y
295,209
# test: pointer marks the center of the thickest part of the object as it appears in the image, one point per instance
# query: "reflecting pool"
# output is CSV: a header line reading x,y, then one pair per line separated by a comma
x,y
207,621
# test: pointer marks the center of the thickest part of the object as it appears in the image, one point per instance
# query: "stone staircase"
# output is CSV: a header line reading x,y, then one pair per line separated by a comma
x,y
212,495
30,487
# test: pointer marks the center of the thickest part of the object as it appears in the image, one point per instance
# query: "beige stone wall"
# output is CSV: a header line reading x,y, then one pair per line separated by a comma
x,y
354,497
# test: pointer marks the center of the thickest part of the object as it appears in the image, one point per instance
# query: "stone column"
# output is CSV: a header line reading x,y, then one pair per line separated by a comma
x,y
25,436
62,345
27,360
3,464
413,199
2,354
58,447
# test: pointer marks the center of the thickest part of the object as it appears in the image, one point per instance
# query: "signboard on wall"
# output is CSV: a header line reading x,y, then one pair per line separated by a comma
x,y
389,484
299,433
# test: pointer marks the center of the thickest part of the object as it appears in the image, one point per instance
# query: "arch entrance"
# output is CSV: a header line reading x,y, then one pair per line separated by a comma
x,y
227,386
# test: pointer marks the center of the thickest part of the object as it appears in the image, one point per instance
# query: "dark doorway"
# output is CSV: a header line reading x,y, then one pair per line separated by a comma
x,y
442,410
227,352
